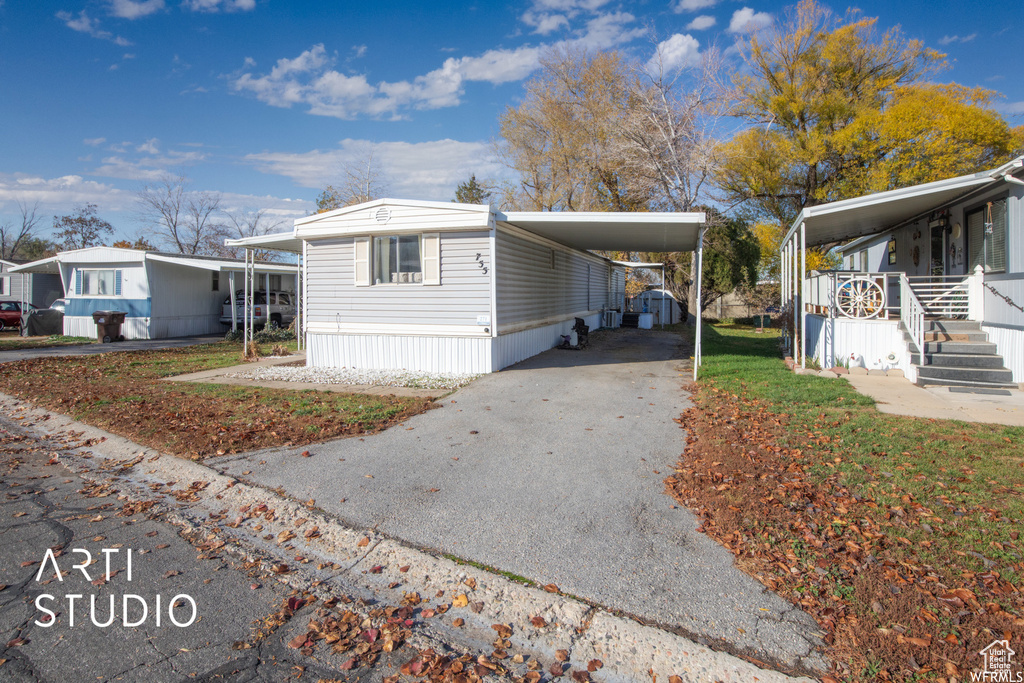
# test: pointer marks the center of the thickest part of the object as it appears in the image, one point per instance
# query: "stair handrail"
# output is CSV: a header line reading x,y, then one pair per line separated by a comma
x,y
912,315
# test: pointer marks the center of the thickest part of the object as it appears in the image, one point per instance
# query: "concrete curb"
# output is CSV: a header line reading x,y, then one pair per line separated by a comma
x,y
337,560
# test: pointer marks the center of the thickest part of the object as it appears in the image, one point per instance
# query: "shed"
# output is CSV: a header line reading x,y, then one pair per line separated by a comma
x,y
163,294
461,288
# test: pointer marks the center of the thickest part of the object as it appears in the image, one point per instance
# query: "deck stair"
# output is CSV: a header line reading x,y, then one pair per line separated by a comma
x,y
630,320
959,354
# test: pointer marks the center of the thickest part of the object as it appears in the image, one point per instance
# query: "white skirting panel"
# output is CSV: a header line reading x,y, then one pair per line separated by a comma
x,y
512,348
450,355
186,326
829,339
83,326
1010,345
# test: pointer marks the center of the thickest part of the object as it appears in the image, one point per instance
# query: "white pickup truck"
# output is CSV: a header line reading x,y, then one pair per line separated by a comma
x,y
280,309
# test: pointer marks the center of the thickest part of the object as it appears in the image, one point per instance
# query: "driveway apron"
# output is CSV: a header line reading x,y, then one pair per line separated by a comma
x,y
553,470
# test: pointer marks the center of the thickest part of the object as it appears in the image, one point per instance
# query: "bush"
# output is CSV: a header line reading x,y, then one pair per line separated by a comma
x,y
268,335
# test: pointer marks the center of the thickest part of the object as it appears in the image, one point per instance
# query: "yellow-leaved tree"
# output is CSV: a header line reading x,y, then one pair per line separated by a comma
x,y
837,109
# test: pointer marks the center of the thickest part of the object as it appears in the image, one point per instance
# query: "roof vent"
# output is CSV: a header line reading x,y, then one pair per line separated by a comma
x,y
382,215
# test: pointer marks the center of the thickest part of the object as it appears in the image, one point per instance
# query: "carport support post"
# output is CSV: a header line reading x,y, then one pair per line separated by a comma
x,y
663,292
298,302
697,333
231,300
803,309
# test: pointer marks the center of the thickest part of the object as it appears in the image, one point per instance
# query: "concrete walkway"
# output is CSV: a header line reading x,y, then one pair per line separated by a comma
x,y
96,347
554,470
897,396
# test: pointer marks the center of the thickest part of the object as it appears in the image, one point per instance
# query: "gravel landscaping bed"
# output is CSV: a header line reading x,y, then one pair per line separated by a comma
x,y
384,378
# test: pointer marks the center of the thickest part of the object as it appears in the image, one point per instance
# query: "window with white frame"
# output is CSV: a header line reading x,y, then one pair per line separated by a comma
x,y
396,259
99,283
986,235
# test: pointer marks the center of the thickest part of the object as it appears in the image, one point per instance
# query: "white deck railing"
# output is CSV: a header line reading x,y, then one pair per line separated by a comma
x,y
881,295
912,314
945,297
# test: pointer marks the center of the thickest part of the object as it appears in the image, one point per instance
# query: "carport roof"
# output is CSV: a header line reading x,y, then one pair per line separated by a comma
x,y
871,214
592,230
611,231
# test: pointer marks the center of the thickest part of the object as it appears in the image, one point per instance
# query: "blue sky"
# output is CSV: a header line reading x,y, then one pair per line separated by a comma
x,y
265,100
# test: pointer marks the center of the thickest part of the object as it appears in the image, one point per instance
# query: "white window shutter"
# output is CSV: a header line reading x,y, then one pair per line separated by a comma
x,y
362,261
431,259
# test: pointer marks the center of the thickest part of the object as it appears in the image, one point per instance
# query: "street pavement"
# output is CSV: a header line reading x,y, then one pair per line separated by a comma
x,y
553,470
96,347
44,506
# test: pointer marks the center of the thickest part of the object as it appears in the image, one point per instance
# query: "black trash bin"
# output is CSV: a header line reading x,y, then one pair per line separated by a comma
x,y
108,325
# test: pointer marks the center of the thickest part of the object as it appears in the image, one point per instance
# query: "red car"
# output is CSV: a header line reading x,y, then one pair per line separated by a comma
x,y
10,314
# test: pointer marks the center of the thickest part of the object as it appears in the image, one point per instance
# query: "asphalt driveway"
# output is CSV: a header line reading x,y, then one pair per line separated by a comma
x,y
553,470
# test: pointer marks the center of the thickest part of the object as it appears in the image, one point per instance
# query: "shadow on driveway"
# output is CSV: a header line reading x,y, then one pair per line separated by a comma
x,y
553,470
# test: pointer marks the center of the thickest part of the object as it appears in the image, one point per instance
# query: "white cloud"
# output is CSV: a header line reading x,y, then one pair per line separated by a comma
x,y
946,40
1010,108
134,9
607,30
309,79
704,21
151,166
679,51
219,5
358,51
544,23
424,170
313,80
149,146
59,195
681,6
84,24
94,142
747,20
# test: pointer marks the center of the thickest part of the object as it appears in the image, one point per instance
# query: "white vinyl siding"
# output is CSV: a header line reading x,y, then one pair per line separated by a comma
x,y
530,290
334,302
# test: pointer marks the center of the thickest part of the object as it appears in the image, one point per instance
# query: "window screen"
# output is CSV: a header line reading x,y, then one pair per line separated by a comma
x,y
986,236
396,259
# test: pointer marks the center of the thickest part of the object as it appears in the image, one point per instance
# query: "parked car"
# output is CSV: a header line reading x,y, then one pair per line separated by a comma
x,y
281,308
10,314
59,305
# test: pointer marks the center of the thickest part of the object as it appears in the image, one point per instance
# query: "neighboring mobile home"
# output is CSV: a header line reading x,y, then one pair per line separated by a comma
x,y
38,289
460,288
933,281
163,295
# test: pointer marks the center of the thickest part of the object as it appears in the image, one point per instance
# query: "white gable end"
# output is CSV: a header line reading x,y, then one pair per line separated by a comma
x,y
389,216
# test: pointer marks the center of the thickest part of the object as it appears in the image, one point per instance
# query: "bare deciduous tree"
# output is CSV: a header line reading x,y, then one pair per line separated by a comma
x,y
13,236
670,134
362,179
244,223
182,219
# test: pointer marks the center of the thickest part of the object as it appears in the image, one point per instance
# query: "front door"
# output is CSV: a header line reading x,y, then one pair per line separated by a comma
x,y
938,260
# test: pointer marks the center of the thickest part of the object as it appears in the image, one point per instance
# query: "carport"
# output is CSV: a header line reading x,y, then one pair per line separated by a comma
x,y
466,289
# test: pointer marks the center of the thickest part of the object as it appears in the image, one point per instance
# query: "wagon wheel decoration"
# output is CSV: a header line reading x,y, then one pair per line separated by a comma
x,y
860,298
